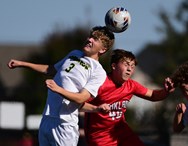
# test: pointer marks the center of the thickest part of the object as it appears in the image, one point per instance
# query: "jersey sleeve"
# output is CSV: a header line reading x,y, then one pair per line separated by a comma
x,y
97,79
139,89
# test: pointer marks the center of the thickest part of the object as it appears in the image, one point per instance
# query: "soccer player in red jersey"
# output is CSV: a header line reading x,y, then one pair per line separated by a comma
x,y
111,129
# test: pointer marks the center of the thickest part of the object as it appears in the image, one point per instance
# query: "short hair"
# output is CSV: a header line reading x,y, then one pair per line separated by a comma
x,y
104,34
122,55
180,75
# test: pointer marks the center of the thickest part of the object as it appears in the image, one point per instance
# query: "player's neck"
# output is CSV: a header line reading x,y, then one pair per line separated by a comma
x,y
95,57
114,78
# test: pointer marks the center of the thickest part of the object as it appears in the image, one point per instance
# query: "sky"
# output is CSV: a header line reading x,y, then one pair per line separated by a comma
x,y
30,21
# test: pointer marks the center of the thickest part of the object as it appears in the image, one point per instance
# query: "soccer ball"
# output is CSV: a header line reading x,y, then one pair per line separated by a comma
x,y
117,19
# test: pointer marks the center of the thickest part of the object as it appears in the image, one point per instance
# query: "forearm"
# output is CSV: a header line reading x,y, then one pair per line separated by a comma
x,y
161,94
42,68
178,122
155,95
79,97
89,108
103,108
158,95
69,95
36,67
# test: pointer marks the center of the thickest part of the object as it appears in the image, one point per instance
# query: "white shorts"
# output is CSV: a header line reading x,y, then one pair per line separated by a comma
x,y
53,133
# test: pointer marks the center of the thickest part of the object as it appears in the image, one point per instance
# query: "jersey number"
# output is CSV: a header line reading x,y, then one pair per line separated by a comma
x,y
115,114
70,67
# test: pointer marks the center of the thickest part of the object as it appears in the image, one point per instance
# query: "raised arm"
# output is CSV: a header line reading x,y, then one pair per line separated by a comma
x,y
42,68
178,118
160,94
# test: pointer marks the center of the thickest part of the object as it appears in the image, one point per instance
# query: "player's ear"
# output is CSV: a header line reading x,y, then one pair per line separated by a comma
x,y
103,50
113,65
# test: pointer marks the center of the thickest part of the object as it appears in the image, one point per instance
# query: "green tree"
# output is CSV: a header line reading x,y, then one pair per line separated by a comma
x,y
160,60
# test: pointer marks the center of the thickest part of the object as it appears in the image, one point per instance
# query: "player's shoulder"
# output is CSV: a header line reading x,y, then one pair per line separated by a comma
x,y
76,53
131,84
131,81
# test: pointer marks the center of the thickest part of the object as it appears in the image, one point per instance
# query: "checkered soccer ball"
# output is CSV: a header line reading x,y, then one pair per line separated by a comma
x,y
117,19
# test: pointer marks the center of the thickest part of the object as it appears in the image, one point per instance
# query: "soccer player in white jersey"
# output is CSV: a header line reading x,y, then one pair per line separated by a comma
x,y
79,72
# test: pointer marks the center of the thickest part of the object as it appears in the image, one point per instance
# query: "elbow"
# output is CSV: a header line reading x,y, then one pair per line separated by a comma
x,y
81,97
79,101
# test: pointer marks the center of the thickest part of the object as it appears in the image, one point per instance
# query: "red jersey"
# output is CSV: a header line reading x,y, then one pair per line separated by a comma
x,y
109,128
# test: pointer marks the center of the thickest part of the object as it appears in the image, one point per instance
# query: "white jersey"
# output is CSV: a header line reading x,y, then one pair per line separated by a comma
x,y
74,73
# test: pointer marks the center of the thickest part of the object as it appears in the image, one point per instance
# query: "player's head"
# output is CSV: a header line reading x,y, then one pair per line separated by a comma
x,y
180,78
122,66
103,33
181,74
122,55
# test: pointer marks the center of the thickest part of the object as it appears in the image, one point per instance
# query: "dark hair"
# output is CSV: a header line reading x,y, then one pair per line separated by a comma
x,y
180,75
122,55
104,34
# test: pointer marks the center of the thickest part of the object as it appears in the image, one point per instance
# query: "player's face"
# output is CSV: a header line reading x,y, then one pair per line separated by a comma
x,y
93,47
184,89
124,70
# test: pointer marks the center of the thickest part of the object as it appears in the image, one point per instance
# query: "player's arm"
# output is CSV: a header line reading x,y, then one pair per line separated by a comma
x,y
79,97
178,118
42,68
156,95
160,94
87,107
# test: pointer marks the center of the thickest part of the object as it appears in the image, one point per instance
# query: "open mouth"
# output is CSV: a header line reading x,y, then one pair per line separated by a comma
x,y
128,74
88,44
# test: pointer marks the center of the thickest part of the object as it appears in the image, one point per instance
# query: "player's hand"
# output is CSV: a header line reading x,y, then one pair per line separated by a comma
x,y
52,85
14,63
169,85
180,108
104,108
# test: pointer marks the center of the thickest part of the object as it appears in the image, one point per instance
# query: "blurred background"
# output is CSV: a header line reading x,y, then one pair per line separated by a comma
x,y
45,31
